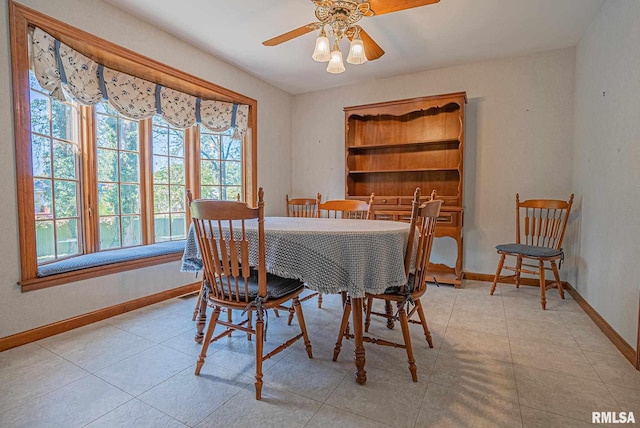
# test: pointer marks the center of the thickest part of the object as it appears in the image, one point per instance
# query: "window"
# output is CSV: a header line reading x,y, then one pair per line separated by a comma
x,y
169,181
56,190
93,180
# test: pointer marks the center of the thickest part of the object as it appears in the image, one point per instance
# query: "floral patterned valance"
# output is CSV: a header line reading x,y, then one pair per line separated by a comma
x,y
68,74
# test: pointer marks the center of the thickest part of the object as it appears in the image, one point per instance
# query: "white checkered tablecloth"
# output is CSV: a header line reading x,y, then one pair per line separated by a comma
x,y
329,255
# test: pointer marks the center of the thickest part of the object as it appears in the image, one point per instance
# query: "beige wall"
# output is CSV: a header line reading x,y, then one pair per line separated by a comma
x,y
519,133
606,173
20,312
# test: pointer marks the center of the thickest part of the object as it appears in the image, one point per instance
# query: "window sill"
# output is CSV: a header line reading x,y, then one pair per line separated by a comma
x,y
125,262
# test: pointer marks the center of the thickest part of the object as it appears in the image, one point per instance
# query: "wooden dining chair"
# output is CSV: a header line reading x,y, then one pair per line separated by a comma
x,y
232,285
346,208
540,226
423,219
303,207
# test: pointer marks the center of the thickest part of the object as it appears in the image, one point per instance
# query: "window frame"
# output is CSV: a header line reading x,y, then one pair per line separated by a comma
x,y
127,61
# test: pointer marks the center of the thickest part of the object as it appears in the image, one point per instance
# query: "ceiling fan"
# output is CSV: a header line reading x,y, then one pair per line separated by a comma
x,y
341,16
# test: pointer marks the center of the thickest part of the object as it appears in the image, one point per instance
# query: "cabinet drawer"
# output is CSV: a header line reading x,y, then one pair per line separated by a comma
x,y
449,218
385,201
384,216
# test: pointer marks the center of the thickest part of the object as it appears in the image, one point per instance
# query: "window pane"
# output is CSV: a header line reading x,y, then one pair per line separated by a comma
x,y
176,142
210,192
209,146
66,199
107,131
209,173
64,160
177,199
232,193
160,141
43,199
67,237
39,113
131,231
45,243
161,226
107,165
160,170
62,120
178,226
130,197
41,156
231,149
108,199
109,232
128,135
129,167
161,198
177,171
232,173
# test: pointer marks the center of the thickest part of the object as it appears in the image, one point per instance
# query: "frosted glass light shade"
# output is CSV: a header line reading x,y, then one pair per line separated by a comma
x,y
321,53
336,65
356,52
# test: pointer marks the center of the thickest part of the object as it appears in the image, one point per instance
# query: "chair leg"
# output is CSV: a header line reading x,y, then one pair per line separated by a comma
x,y
498,271
367,318
276,313
207,339
518,268
259,350
291,312
423,321
320,300
388,309
406,335
249,323
197,308
543,287
303,326
556,274
201,322
343,328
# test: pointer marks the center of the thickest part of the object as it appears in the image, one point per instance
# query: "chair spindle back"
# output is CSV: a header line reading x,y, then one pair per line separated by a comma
x,y
224,241
542,222
303,207
346,209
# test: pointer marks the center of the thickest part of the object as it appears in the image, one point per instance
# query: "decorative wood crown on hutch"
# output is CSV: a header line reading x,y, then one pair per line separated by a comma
x,y
393,147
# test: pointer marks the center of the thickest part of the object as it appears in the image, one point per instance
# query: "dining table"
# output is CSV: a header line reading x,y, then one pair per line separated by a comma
x,y
329,256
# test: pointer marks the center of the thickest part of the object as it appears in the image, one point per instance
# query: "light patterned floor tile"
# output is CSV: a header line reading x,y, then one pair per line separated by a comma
x,y
137,414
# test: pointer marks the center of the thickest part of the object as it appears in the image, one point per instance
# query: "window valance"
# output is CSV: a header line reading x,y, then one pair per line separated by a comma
x,y
68,74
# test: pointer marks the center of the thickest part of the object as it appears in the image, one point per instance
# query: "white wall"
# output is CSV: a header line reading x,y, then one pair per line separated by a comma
x,y
606,173
519,133
23,311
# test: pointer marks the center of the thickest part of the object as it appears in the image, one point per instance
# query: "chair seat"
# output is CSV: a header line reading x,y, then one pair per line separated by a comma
x,y
529,250
396,290
277,286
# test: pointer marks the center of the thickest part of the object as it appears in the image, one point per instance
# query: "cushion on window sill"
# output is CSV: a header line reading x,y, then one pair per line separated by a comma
x,y
108,257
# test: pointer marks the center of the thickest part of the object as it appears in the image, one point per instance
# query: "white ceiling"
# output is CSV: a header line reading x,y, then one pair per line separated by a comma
x,y
443,34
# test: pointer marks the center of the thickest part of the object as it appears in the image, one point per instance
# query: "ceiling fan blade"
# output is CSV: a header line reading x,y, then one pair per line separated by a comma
x,y
371,49
380,7
290,35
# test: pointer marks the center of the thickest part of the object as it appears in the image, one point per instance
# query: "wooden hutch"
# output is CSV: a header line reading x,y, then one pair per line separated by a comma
x,y
393,147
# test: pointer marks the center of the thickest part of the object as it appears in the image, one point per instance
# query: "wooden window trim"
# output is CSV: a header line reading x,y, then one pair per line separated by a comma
x,y
127,61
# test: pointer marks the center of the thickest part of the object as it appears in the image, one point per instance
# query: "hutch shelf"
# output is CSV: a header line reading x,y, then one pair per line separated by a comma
x,y
393,147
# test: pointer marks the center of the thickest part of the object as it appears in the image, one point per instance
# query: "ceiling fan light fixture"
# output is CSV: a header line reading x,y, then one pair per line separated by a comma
x,y
321,53
336,65
356,52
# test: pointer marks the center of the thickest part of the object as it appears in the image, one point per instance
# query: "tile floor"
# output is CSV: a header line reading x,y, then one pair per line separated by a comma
x,y
497,361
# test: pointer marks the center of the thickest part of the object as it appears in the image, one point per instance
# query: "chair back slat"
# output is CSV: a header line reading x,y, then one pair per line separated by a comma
x,y
303,207
542,222
224,245
346,208
427,217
